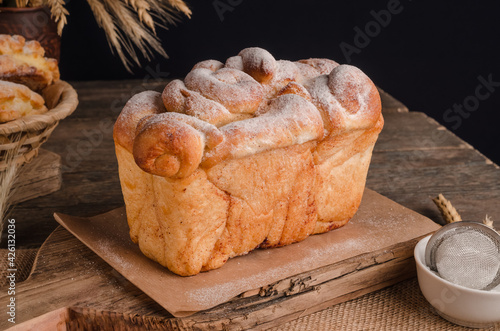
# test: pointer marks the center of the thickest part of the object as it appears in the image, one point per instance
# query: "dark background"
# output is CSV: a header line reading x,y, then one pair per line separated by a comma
x,y
430,55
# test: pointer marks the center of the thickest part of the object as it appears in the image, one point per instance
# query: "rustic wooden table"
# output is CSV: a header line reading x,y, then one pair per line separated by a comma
x,y
414,160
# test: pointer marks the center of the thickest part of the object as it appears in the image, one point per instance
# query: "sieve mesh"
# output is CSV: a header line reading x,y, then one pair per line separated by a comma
x,y
466,254
469,259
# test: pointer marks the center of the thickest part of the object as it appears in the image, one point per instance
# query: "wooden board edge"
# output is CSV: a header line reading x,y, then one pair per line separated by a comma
x,y
280,310
276,309
52,321
391,104
276,312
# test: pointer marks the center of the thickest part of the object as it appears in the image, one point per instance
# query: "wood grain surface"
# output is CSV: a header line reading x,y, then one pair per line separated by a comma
x,y
414,160
42,176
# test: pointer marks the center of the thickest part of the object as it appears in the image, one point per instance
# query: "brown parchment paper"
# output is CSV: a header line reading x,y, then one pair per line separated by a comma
x,y
379,223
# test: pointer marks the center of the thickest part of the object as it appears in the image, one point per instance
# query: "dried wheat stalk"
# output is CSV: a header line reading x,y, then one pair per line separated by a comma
x,y
488,221
134,32
451,215
106,22
181,6
128,24
8,177
142,7
58,13
35,3
22,3
447,210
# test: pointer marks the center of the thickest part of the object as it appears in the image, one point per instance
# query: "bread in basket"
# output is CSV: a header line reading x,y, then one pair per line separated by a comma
x,y
249,153
24,62
32,99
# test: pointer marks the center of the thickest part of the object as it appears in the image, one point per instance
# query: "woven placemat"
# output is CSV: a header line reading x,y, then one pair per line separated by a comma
x,y
399,307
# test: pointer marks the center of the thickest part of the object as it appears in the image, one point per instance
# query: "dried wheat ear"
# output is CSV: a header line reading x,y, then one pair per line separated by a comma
x,y
450,214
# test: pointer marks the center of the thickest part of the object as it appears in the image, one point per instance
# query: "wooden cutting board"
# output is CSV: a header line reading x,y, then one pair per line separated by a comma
x,y
73,288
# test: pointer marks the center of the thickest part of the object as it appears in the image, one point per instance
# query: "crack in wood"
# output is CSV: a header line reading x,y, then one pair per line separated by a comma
x,y
298,285
294,285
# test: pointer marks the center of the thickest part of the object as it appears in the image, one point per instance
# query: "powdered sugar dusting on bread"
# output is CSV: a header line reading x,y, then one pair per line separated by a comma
x,y
234,89
139,106
234,62
286,72
349,83
358,95
289,120
331,110
242,98
212,134
246,158
212,65
256,54
172,96
258,63
323,66
178,98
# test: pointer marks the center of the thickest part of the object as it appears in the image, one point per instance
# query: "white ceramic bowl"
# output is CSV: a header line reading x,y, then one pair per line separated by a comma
x,y
457,304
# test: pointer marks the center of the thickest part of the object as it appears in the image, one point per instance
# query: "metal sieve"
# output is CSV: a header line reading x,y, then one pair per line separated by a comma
x,y
466,254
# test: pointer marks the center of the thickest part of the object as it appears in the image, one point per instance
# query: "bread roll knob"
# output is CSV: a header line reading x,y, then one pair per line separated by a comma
x,y
172,144
258,63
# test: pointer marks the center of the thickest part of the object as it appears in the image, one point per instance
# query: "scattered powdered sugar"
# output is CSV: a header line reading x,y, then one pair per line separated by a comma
x,y
113,256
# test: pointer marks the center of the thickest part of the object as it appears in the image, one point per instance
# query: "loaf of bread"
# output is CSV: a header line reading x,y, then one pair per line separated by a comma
x,y
250,153
23,62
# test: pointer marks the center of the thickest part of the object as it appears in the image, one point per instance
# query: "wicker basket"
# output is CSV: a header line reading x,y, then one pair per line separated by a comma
x,y
26,134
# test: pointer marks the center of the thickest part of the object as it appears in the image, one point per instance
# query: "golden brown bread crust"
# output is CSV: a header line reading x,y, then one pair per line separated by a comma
x,y
17,100
172,144
24,63
250,153
138,107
